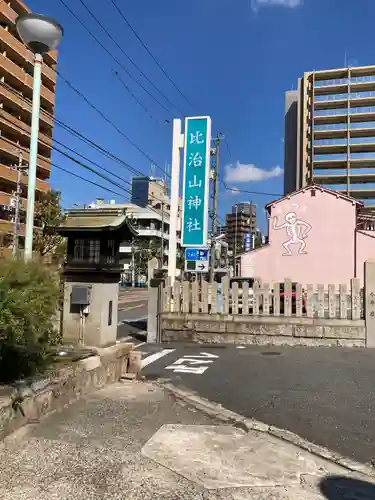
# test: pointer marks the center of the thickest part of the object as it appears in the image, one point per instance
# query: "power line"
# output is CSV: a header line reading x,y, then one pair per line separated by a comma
x,y
79,135
126,55
83,165
113,57
78,92
136,98
150,53
86,180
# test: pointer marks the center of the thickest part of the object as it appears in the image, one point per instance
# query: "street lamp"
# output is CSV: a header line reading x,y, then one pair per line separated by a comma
x,y
41,35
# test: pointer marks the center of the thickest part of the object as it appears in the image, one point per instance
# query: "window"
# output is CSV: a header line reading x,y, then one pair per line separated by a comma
x,y
87,250
111,252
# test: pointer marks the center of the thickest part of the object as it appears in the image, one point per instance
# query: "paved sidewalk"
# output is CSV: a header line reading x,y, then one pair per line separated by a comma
x,y
134,441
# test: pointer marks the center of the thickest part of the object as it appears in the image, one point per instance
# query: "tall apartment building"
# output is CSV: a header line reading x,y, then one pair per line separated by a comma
x,y
330,132
239,223
150,192
16,84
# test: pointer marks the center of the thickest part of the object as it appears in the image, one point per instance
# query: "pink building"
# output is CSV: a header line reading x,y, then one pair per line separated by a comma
x,y
315,236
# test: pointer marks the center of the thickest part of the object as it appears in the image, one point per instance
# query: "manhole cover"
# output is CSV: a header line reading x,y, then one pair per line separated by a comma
x,y
270,353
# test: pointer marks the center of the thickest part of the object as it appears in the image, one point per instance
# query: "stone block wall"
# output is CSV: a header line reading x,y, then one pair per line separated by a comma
x,y
252,330
28,402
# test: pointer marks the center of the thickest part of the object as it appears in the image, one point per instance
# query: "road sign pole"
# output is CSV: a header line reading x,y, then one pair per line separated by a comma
x,y
177,144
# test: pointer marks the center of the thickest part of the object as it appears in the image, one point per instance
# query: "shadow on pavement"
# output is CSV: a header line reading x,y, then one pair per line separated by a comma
x,y
140,325
137,329
346,488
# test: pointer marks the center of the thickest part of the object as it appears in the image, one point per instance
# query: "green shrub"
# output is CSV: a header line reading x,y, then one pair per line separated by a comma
x,y
29,297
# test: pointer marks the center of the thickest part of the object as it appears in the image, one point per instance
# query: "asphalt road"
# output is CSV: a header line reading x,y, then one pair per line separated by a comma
x,y
132,314
325,395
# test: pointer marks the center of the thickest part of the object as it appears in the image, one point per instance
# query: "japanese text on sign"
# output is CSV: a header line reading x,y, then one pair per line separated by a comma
x,y
196,181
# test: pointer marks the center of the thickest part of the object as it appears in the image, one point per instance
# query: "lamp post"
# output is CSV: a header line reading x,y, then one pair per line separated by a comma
x,y
41,35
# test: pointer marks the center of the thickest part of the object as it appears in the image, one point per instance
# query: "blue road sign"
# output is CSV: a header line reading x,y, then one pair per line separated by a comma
x,y
248,242
196,181
196,254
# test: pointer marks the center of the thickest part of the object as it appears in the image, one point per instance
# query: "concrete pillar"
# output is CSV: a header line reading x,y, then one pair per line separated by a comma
x,y
93,326
153,303
369,302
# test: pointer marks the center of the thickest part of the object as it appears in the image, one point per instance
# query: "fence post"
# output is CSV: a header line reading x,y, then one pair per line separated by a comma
x,y
331,301
343,302
310,300
320,303
369,302
287,297
225,295
356,298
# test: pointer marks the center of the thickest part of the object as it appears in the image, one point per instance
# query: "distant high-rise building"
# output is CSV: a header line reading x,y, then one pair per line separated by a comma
x,y
330,132
16,90
240,223
150,192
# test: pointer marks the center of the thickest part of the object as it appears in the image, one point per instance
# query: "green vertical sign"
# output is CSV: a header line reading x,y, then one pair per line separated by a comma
x,y
196,181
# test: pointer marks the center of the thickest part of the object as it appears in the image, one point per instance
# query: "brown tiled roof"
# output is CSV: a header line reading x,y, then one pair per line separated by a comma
x,y
96,220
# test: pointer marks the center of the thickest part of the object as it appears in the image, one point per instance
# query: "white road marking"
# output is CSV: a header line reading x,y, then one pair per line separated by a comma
x,y
201,355
240,347
197,370
191,361
154,357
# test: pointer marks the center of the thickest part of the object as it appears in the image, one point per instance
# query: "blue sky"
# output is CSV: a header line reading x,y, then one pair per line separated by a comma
x,y
233,59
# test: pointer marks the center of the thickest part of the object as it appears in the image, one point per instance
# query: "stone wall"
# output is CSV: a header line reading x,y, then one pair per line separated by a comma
x,y
258,330
28,402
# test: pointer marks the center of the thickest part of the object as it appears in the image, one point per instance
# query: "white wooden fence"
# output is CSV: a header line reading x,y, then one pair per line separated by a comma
x,y
264,299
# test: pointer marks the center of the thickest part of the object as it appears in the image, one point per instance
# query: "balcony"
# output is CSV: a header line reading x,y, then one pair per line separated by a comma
x,y
339,88
8,227
336,104
360,194
366,147
342,164
11,151
18,127
17,101
5,199
23,56
151,233
24,80
337,179
343,133
10,176
10,16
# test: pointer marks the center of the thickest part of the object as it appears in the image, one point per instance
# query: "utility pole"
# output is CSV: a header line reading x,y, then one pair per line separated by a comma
x,y
17,194
162,234
133,264
215,203
235,246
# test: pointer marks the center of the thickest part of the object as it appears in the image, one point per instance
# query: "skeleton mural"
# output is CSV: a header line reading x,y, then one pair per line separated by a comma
x,y
296,230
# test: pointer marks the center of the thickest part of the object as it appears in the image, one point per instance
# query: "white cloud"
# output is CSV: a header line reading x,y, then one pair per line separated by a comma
x,y
291,4
241,172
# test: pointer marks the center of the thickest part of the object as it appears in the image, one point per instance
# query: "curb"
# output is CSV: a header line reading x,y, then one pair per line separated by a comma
x,y
249,424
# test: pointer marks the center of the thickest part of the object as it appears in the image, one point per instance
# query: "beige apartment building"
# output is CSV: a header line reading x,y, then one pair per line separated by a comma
x,y
16,84
330,132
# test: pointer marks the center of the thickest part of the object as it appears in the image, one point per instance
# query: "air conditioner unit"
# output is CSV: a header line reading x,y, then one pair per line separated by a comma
x,y
13,202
